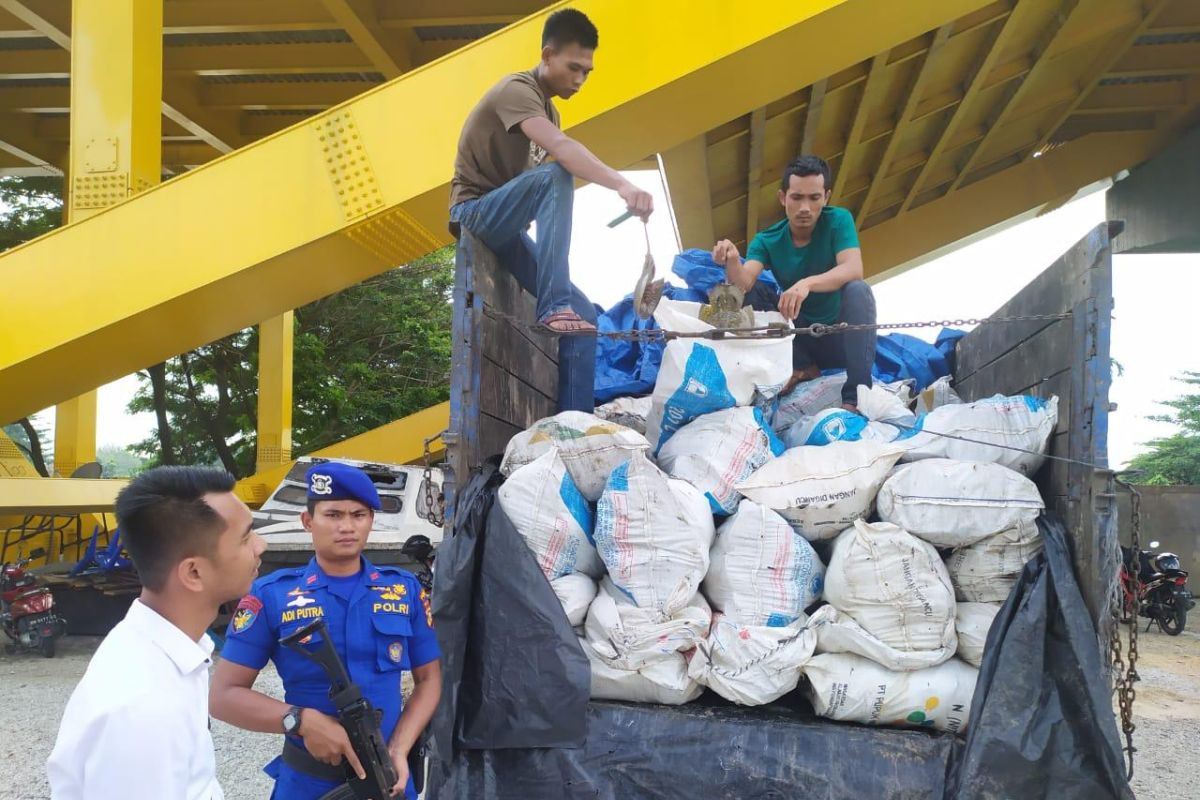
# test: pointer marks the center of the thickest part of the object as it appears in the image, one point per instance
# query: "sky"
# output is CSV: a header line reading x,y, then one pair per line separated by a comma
x,y
1154,297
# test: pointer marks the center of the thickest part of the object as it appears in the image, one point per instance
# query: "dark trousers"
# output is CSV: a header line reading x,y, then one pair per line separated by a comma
x,y
853,351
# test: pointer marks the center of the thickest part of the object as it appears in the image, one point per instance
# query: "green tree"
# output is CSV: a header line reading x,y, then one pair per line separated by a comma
x,y
1173,460
29,207
366,356
118,462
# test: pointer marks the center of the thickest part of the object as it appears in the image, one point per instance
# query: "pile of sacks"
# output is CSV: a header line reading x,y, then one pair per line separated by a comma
x,y
722,550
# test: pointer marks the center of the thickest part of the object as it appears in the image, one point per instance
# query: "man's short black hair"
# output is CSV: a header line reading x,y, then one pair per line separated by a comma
x,y
164,519
570,26
806,165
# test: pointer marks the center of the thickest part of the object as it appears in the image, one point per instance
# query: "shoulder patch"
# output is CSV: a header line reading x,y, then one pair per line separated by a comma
x,y
248,610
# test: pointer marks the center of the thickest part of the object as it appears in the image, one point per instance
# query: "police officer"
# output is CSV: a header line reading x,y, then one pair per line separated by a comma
x,y
379,621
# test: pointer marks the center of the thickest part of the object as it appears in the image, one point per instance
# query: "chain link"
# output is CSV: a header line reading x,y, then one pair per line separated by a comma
x,y
1126,676
773,331
436,517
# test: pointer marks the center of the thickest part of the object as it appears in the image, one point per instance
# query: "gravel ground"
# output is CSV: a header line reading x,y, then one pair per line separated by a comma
x,y
1166,711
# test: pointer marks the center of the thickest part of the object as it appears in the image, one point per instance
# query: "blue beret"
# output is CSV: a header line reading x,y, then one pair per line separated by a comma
x,y
336,481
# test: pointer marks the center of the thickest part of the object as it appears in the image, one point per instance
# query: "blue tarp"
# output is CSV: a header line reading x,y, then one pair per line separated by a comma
x,y
628,369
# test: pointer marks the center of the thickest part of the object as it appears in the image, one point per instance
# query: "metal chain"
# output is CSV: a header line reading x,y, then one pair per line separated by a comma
x,y
1125,676
438,517
773,331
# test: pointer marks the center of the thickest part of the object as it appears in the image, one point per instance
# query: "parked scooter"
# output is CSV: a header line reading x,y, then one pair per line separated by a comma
x,y
1162,590
420,549
27,611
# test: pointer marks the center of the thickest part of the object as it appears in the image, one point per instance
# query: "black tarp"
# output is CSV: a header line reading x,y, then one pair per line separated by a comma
x,y
1041,719
515,721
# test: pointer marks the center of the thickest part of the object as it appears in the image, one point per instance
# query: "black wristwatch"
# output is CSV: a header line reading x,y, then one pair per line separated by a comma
x,y
291,721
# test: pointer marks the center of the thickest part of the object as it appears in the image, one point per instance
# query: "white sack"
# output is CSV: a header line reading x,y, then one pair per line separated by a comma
x,y
576,593
664,681
717,451
552,516
589,447
628,411
986,571
994,425
885,402
822,490
807,399
762,572
837,425
894,585
751,666
654,534
839,633
700,376
974,622
627,637
855,689
954,503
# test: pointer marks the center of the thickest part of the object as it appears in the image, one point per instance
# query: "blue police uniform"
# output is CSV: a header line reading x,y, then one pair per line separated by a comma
x,y
379,621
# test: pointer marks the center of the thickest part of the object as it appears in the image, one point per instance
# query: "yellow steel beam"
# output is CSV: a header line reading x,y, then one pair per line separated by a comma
x,y
904,117
58,495
1130,97
309,95
423,13
1152,60
1106,56
1182,16
323,205
1016,94
976,81
812,116
178,95
240,59
866,99
399,442
13,463
892,246
275,338
18,137
239,16
357,18
686,167
758,132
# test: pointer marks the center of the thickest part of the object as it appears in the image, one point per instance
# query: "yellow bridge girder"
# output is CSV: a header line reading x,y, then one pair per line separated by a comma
x,y
363,187
59,495
398,442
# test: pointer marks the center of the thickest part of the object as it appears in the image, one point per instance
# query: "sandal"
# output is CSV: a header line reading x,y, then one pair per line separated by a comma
x,y
566,323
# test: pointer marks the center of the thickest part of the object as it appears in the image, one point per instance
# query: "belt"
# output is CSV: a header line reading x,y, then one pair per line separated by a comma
x,y
301,760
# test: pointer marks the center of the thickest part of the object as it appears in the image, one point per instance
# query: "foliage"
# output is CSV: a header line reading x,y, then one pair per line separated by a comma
x,y
1173,460
119,462
29,207
363,357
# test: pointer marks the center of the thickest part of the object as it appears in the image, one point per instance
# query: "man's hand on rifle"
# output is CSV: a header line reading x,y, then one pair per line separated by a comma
x,y
400,764
326,740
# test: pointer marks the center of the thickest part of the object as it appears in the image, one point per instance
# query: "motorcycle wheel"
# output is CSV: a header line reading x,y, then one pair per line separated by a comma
x,y
1174,618
47,646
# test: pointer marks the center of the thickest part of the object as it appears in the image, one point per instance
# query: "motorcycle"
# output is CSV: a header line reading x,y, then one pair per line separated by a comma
x,y
1161,589
27,611
420,550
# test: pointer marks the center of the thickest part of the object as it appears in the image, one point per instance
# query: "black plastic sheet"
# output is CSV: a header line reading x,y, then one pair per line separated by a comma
x,y
1041,719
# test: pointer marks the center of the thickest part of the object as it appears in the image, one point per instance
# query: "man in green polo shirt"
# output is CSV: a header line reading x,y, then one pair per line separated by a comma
x,y
814,254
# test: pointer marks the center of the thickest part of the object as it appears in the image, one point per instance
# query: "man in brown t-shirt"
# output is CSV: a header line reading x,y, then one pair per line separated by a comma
x,y
502,182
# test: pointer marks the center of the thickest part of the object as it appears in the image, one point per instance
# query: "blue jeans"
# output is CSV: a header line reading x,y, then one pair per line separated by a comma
x,y
500,218
853,352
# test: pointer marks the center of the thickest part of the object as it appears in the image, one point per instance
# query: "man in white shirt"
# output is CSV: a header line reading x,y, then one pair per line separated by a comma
x,y
136,726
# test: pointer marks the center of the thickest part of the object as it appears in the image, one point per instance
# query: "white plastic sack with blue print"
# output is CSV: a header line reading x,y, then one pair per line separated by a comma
x,y
575,592
700,376
974,623
825,392
751,665
590,448
837,425
836,632
653,533
1010,431
718,451
762,572
821,491
552,516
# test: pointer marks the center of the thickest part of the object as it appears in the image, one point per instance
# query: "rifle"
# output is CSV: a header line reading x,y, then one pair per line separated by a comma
x,y
357,715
